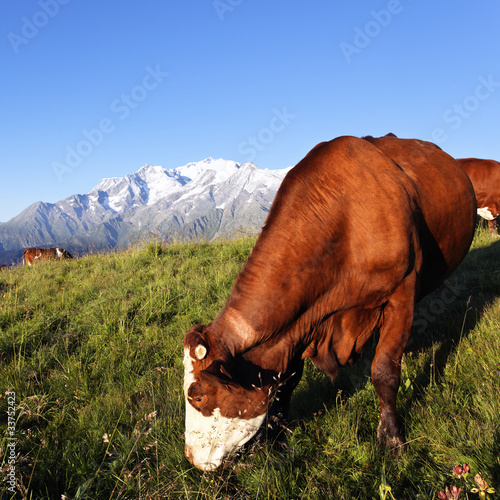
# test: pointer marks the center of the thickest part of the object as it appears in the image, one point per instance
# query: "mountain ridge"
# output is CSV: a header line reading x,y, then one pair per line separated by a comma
x,y
207,199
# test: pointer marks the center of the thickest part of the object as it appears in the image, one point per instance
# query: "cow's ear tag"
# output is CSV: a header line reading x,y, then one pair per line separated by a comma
x,y
200,352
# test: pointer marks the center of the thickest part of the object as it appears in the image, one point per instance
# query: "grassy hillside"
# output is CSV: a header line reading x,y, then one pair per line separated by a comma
x,y
91,351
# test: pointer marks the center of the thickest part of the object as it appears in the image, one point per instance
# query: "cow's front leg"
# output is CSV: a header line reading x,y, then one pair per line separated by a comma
x,y
286,383
280,391
386,366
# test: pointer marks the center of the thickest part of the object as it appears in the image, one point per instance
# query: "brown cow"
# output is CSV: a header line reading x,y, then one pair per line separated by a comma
x,y
485,177
2,267
358,232
31,255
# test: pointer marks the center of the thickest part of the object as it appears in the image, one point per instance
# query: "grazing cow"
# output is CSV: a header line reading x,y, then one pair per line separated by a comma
x,y
485,177
31,255
2,267
358,232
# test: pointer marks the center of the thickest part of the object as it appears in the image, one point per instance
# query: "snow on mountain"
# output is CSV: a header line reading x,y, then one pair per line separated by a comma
x,y
209,199
152,184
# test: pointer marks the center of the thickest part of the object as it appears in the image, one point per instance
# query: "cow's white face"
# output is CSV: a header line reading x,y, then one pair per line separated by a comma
x,y
218,419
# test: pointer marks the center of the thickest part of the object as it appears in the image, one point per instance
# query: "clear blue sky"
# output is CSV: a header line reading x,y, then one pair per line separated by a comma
x,y
98,88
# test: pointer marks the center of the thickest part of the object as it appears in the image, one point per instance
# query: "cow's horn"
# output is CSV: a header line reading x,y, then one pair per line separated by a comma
x,y
200,352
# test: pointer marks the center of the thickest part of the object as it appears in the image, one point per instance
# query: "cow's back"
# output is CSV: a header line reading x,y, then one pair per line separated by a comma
x,y
442,185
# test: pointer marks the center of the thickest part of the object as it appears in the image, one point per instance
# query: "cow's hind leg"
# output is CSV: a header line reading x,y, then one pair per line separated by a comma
x,y
386,366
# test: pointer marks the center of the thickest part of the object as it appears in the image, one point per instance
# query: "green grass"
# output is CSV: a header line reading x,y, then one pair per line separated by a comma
x,y
92,349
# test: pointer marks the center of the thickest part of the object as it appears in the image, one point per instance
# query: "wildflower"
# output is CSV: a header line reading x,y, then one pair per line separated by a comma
x,y
481,483
105,438
461,470
150,416
452,493
482,486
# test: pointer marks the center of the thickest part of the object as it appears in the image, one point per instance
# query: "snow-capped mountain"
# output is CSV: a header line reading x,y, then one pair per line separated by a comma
x,y
209,199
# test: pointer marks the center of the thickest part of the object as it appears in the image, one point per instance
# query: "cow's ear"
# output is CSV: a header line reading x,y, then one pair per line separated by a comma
x,y
196,341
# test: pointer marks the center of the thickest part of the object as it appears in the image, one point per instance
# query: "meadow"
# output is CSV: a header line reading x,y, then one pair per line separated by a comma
x,y
91,376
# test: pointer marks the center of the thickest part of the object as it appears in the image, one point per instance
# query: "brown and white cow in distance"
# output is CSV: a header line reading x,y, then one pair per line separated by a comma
x,y
31,255
485,177
358,232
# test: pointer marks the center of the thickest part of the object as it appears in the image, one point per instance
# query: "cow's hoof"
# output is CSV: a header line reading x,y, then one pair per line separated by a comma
x,y
391,439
